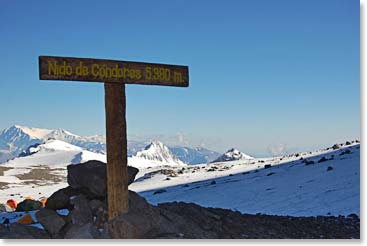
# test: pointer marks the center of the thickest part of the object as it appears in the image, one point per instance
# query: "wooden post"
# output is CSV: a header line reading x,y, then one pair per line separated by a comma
x,y
117,174
121,73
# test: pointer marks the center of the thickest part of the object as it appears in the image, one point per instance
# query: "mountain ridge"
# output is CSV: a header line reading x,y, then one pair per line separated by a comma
x,y
16,139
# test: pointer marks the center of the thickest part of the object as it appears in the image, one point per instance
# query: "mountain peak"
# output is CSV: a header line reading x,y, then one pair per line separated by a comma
x,y
233,155
155,144
32,132
156,151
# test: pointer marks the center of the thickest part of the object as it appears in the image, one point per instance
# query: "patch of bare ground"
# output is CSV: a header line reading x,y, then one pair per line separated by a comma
x,y
3,185
37,175
3,169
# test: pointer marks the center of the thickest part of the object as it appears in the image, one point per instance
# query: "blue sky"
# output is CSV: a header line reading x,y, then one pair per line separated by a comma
x,y
263,74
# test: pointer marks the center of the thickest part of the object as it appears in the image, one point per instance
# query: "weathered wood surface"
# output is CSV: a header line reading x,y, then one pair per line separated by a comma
x,y
117,173
111,71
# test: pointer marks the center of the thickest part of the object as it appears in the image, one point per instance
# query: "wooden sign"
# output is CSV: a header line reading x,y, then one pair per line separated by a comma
x,y
115,74
99,70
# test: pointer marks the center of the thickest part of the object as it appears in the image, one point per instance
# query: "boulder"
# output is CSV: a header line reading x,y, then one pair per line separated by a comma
x,y
100,213
141,219
91,178
81,213
19,231
50,220
61,199
96,205
86,231
28,205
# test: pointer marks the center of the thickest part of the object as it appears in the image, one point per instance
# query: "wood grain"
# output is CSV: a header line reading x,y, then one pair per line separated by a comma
x,y
117,173
44,74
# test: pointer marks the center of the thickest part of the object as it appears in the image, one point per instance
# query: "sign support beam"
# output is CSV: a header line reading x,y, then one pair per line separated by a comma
x,y
114,74
117,174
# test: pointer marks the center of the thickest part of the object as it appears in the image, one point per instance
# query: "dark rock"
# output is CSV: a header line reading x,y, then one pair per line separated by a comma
x,y
336,146
353,216
323,159
329,168
50,220
86,231
267,166
141,219
308,162
347,143
168,172
91,178
96,205
159,191
81,214
213,182
346,152
100,213
269,174
28,205
19,231
61,198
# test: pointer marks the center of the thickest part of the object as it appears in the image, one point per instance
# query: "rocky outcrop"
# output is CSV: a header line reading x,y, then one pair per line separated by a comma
x,y
91,178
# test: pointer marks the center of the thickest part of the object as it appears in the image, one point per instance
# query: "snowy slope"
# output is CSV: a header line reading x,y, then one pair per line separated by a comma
x,y
41,172
233,155
42,168
54,153
288,187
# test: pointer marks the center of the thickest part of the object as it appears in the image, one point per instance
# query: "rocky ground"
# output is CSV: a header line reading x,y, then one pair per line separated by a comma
x,y
86,200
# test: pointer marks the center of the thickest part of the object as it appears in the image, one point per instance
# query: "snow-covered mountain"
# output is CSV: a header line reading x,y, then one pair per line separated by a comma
x,y
233,155
53,153
93,143
16,139
156,153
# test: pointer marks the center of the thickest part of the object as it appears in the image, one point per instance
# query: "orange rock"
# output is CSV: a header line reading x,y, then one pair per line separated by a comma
x,y
11,203
26,220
